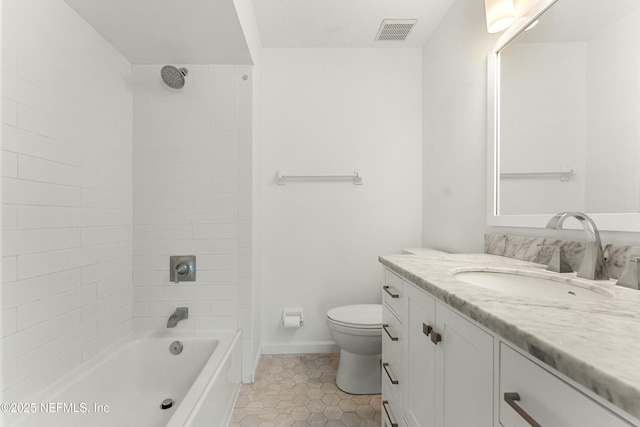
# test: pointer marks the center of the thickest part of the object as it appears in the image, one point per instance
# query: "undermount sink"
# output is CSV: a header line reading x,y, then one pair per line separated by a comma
x,y
534,285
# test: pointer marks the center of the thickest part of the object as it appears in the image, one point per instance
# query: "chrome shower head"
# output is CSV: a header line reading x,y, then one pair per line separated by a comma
x,y
173,77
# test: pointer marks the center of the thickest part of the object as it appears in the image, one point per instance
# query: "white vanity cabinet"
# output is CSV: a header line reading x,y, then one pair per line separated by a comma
x,y
444,373
449,366
393,339
445,370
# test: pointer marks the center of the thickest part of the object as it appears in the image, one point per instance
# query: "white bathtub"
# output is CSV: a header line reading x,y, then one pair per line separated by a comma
x,y
132,380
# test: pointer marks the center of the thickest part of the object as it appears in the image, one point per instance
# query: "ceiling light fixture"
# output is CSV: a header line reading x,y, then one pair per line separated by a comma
x,y
499,14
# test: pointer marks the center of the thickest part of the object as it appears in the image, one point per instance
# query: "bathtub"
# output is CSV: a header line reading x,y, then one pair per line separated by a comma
x,y
126,386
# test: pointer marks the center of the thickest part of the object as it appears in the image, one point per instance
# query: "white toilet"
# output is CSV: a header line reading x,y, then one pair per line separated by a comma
x,y
357,330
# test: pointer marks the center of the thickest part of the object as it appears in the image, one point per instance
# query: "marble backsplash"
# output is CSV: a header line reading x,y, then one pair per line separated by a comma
x,y
540,250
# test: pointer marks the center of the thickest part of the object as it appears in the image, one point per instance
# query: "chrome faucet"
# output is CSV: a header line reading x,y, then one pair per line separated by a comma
x,y
593,266
181,313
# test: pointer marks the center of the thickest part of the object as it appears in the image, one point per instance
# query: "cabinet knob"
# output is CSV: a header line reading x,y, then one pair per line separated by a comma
x,y
511,399
426,329
435,337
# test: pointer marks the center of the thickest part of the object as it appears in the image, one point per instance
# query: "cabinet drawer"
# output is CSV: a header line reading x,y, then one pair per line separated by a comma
x,y
393,292
392,373
391,413
392,332
546,398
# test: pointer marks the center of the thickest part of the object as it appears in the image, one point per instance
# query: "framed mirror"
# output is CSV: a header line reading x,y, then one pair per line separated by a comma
x,y
564,115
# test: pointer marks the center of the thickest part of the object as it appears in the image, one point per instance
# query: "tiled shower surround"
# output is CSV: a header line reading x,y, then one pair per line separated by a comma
x,y
106,173
187,149
67,194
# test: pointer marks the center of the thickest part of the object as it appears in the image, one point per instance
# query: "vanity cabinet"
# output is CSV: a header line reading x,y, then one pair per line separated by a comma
x,y
442,369
393,339
449,366
443,374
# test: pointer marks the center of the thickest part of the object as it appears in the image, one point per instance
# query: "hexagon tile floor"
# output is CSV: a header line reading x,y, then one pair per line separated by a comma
x,y
300,391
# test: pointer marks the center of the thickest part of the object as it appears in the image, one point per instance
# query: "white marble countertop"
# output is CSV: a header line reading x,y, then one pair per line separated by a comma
x,y
595,343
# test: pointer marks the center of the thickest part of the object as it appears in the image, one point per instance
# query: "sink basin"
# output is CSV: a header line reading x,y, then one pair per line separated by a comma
x,y
522,285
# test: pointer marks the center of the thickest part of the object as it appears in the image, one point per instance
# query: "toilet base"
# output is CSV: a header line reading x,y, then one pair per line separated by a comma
x,y
359,373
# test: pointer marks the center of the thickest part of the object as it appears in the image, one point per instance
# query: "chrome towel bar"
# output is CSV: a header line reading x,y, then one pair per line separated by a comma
x,y
282,178
563,175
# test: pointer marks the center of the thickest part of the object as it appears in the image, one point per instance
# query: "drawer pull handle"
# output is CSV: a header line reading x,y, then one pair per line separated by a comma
x,y
426,329
391,294
384,405
384,366
435,337
511,399
386,329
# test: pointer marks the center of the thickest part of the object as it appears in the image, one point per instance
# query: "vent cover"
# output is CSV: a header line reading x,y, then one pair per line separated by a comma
x,y
395,29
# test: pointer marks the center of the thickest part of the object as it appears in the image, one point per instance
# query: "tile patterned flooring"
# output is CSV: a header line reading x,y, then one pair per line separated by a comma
x,y
300,391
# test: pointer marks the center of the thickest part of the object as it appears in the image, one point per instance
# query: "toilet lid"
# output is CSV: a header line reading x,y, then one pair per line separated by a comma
x,y
360,315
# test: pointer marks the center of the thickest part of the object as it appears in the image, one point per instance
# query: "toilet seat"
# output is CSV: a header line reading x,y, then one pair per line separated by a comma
x,y
359,316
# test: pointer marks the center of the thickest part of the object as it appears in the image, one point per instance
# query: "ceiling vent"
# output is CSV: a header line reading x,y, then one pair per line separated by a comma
x,y
395,29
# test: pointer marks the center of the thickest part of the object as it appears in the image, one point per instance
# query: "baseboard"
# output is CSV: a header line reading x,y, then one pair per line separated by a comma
x,y
301,348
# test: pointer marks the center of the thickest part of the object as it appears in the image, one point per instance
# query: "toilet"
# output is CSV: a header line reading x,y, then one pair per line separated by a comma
x,y
357,330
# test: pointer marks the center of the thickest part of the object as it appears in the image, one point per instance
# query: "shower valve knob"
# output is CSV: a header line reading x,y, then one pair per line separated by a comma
x,y
182,269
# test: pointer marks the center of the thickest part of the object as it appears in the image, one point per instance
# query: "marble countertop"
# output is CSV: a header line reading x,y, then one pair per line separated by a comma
x,y
595,343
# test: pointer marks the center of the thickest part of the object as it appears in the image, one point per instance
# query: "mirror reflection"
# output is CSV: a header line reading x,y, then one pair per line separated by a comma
x,y
569,112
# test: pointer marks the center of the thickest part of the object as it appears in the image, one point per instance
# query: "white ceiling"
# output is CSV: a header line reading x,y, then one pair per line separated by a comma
x,y
209,32
343,23
169,31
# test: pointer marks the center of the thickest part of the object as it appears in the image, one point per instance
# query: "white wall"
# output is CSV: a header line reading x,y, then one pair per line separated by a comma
x,y
455,129
332,111
187,199
67,198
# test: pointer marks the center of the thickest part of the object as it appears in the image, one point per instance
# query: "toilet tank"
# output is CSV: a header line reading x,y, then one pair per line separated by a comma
x,y
422,251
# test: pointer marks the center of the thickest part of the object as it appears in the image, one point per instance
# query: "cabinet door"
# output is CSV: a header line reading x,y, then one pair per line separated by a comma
x,y
464,372
420,361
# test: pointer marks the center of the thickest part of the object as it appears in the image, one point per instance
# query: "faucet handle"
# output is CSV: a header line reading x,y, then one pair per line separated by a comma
x,y
559,263
631,276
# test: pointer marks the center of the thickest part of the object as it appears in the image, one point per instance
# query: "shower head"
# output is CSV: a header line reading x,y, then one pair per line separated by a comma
x,y
173,77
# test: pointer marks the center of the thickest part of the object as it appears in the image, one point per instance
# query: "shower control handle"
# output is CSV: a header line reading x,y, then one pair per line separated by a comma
x,y
181,270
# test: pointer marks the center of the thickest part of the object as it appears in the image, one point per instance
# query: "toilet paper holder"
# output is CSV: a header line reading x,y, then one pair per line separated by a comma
x,y
292,317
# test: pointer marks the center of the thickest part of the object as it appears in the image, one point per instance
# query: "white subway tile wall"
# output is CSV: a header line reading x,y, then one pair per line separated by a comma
x,y
67,194
187,195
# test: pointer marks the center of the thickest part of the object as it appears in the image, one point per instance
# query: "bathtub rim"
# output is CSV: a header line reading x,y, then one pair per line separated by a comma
x,y
200,388
224,338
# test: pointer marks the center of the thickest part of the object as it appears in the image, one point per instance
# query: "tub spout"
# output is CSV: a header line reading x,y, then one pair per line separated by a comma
x,y
181,313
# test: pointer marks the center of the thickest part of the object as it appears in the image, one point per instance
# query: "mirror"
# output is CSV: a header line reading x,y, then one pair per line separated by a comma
x,y
565,122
